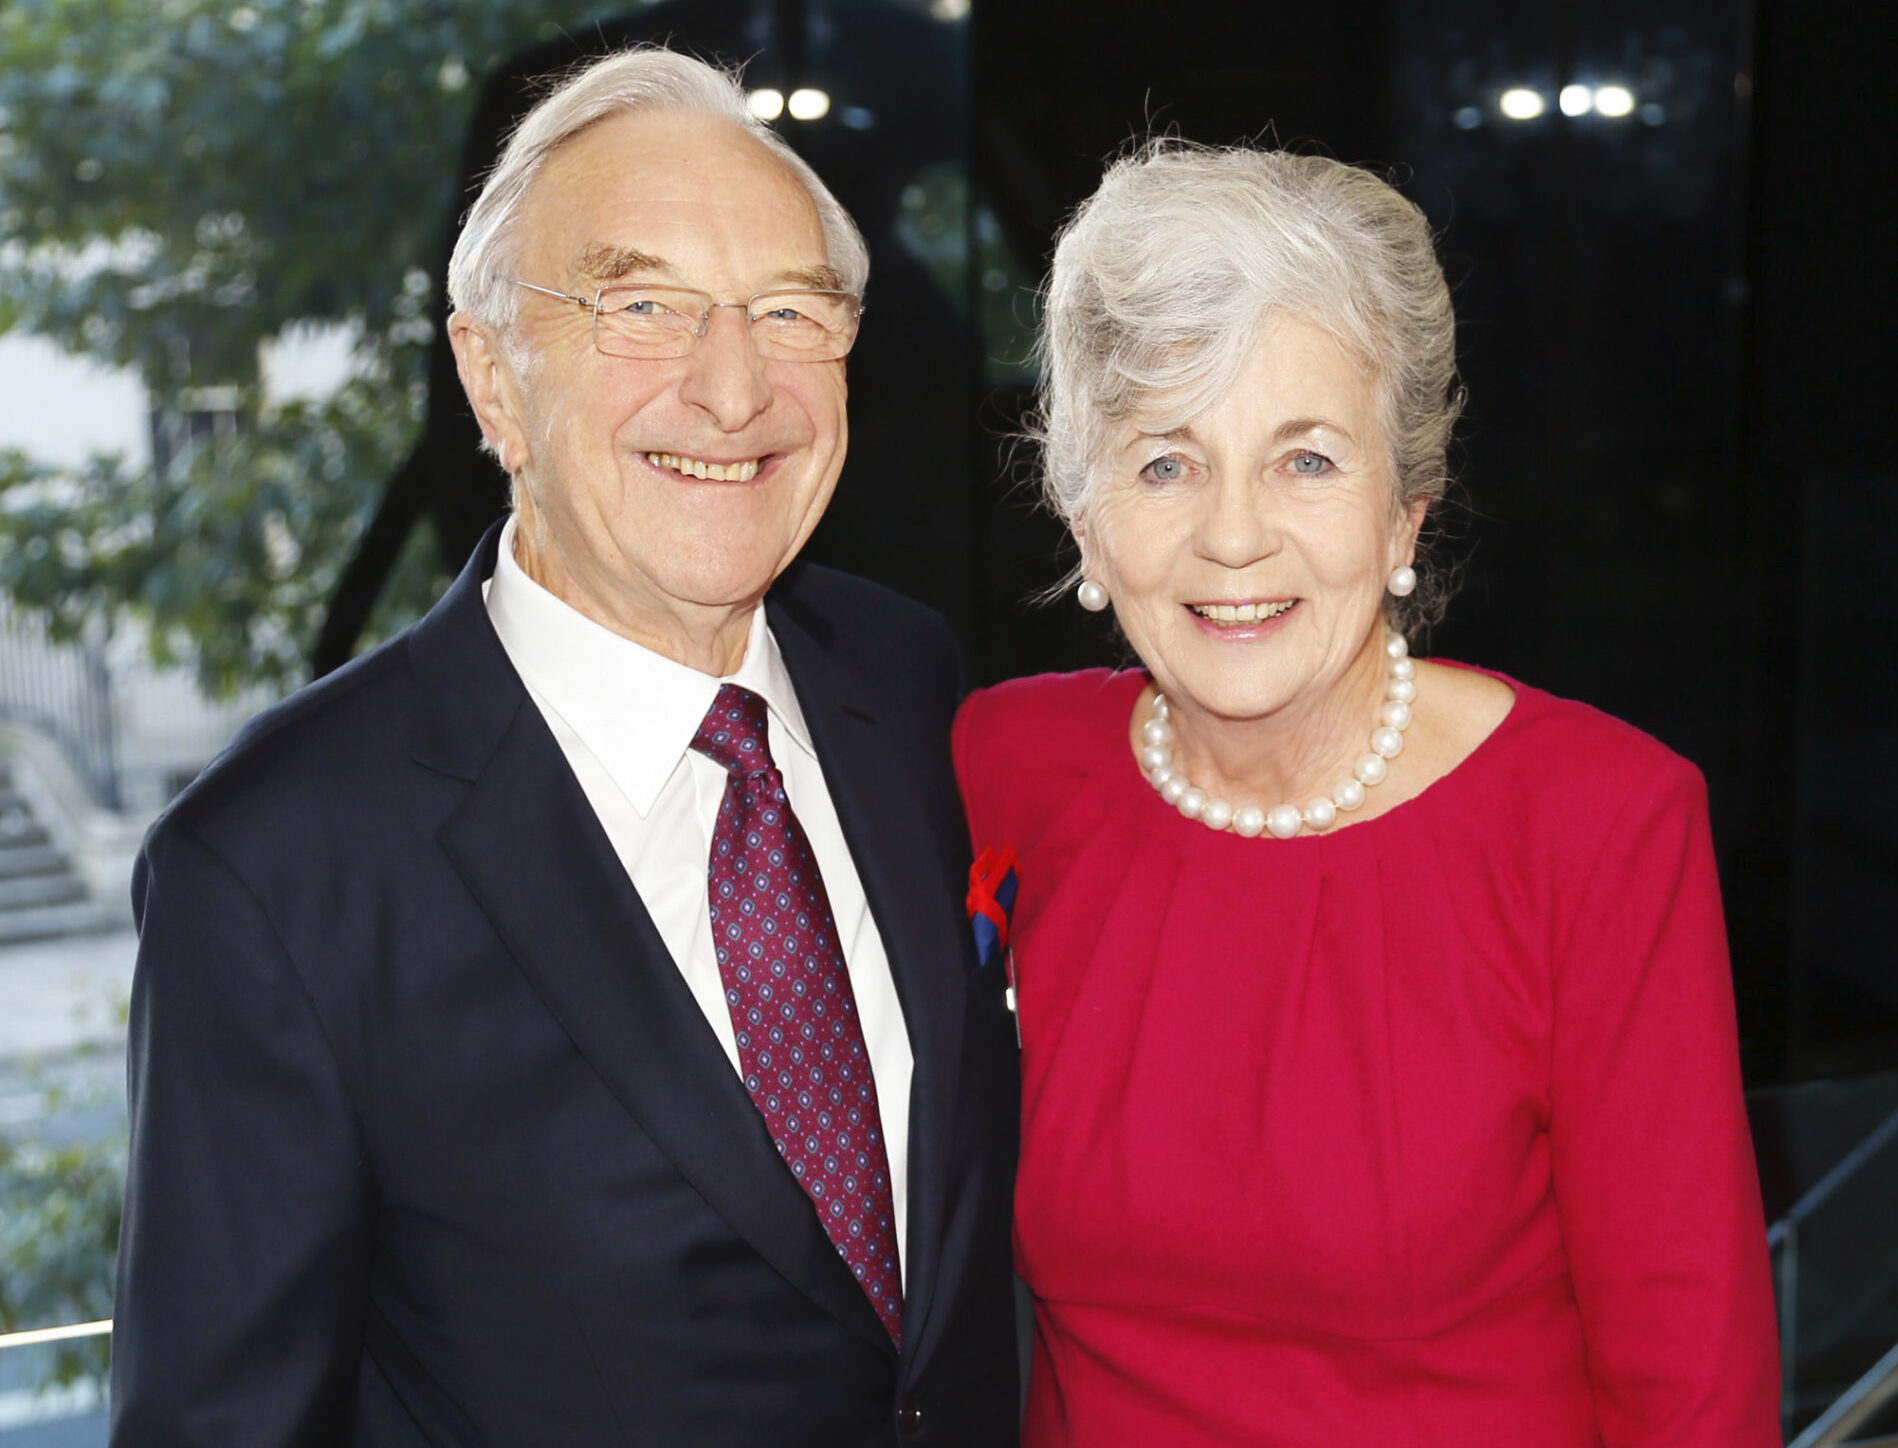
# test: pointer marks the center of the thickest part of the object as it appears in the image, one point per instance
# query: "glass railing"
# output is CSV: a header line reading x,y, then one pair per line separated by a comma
x,y
62,1167
53,1385
1828,1156
1829,1168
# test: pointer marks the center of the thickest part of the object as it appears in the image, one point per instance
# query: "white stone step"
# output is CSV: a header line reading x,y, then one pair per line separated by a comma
x,y
25,892
17,860
44,922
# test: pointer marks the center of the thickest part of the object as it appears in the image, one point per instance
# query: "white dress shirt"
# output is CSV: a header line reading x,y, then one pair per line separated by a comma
x,y
625,718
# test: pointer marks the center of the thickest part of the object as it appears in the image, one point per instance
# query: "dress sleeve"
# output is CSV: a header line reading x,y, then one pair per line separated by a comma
x,y
1653,1167
244,1252
964,744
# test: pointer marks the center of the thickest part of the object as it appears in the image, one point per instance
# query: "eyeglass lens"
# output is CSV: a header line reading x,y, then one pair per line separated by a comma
x,y
653,322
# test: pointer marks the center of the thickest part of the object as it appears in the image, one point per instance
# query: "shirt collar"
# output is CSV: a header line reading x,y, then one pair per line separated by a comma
x,y
635,710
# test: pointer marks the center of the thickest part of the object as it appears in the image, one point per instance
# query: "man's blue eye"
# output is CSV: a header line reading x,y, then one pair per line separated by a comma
x,y
1166,469
1310,463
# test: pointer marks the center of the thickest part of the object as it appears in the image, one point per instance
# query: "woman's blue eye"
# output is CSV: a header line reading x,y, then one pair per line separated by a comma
x,y
1310,463
1166,470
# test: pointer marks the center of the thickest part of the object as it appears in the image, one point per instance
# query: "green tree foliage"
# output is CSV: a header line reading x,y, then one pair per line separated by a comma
x,y
181,180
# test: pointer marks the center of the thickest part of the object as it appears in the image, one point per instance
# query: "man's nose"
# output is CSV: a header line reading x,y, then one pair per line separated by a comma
x,y
725,376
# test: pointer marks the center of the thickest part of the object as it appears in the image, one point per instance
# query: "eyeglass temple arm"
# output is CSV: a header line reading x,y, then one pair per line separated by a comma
x,y
550,292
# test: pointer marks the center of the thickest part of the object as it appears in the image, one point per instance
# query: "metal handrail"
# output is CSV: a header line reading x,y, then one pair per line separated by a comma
x,y
71,1330
1854,1406
1783,1236
1829,1183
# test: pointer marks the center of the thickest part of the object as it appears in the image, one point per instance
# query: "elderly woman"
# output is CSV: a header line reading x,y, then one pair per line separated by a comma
x,y
1380,1081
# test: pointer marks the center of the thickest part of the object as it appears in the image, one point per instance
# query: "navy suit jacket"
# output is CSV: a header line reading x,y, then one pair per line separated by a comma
x,y
431,1144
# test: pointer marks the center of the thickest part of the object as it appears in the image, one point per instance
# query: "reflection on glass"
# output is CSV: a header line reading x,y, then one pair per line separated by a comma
x,y
934,224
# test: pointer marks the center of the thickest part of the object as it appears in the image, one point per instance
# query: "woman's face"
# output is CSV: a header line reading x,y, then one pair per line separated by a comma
x,y
1246,554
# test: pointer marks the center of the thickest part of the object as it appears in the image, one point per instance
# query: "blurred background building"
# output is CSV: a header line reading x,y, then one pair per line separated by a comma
x,y
230,446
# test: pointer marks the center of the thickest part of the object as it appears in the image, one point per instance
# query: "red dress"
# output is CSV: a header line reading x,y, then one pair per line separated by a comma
x,y
1426,1131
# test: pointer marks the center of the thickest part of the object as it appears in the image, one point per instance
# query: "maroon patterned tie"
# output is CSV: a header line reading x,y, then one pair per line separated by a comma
x,y
799,1040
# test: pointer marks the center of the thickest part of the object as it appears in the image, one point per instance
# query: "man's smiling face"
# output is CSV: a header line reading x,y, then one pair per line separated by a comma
x,y
617,460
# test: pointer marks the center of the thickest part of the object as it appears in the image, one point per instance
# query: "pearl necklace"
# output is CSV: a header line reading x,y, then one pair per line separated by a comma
x,y
1285,820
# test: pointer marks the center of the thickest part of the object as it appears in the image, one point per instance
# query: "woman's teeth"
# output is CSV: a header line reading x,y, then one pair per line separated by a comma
x,y
695,468
1240,612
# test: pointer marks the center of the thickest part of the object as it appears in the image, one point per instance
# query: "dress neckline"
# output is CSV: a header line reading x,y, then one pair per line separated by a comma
x,y
1126,685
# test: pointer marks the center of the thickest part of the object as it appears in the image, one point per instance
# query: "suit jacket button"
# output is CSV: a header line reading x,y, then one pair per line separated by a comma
x,y
909,1413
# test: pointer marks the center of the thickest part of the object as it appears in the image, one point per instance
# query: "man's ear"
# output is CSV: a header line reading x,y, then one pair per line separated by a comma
x,y
492,393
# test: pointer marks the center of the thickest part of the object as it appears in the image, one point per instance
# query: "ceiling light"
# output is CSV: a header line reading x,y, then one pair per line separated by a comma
x,y
1614,100
766,104
808,105
1576,100
1520,103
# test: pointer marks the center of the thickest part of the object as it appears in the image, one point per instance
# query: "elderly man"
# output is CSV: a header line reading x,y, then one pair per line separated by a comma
x,y
560,1027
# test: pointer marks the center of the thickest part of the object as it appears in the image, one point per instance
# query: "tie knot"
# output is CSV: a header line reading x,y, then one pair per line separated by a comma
x,y
732,734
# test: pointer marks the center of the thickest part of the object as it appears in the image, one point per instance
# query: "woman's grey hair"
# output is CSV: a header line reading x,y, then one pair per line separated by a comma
x,y
647,79
1162,280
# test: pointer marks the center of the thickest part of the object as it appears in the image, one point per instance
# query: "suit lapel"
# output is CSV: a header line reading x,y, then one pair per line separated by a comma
x,y
903,867
535,857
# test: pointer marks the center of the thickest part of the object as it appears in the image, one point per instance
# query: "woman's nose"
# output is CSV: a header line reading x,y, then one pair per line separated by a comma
x,y
1238,525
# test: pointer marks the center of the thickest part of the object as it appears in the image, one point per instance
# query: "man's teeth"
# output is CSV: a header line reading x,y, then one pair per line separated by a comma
x,y
1241,612
696,468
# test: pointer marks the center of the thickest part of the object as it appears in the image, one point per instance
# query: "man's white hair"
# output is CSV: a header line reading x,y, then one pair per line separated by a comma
x,y
647,79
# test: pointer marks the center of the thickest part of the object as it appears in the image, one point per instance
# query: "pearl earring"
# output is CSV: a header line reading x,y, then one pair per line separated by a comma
x,y
1091,596
1401,581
